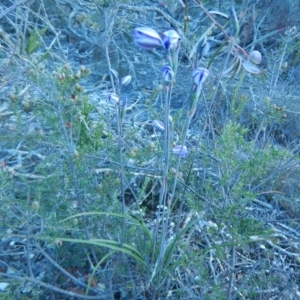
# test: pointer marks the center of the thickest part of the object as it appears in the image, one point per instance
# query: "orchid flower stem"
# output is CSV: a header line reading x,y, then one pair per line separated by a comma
x,y
164,185
235,94
186,181
177,169
109,68
119,123
190,113
175,54
186,13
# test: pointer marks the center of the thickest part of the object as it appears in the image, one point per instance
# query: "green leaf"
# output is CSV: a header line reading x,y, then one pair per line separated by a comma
x,y
251,68
215,54
96,269
264,37
136,222
113,245
34,41
171,248
201,41
44,56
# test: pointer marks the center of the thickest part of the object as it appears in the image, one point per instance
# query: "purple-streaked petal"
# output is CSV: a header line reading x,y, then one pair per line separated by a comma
x,y
146,38
113,98
167,73
180,150
170,39
200,75
157,124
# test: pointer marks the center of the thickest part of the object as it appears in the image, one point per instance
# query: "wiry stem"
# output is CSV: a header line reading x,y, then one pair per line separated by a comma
x,y
164,184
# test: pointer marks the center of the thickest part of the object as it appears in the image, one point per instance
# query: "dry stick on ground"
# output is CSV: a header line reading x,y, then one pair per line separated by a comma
x,y
51,287
45,20
61,269
144,9
232,271
6,11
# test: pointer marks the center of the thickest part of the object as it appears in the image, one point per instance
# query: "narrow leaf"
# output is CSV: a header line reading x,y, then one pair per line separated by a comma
x,y
265,36
113,245
251,68
34,41
231,66
218,13
200,40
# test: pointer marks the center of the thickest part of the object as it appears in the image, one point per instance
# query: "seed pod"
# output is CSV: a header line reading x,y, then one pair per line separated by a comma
x,y
255,57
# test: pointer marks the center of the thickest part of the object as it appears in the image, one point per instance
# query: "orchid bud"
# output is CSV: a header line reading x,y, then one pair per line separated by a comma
x,y
126,80
180,150
255,57
115,73
113,98
157,124
200,75
146,38
168,73
170,39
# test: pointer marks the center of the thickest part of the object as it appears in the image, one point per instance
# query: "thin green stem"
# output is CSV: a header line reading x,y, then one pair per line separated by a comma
x,y
164,183
186,14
